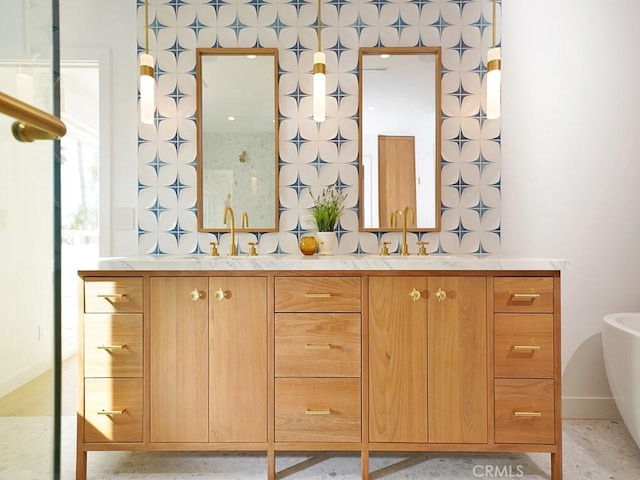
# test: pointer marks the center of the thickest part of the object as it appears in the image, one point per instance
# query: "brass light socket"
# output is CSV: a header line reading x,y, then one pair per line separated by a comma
x,y
493,65
319,68
146,70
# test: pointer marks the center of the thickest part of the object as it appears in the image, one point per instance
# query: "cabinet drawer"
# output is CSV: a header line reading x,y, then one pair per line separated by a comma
x,y
112,345
317,345
113,410
524,411
317,410
523,345
317,294
523,294
113,295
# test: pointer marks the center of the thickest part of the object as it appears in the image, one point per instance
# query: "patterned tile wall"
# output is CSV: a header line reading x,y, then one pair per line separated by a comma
x,y
313,155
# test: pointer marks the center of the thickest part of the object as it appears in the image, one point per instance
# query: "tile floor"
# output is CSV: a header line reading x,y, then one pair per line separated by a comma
x,y
593,449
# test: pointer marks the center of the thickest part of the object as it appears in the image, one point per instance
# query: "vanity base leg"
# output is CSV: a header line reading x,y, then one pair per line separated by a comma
x,y
271,464
81,465
556,465
364,464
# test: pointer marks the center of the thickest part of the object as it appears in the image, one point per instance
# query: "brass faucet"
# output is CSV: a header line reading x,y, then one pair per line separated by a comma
x,y
228,212
405,213
244,223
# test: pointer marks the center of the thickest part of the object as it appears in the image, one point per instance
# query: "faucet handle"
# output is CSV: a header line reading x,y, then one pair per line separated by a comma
x,y
214,249
422,250
252,249
385,248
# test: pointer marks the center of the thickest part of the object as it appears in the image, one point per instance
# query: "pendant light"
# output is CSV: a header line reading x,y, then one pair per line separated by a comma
x,y
147,81
493,75
319,78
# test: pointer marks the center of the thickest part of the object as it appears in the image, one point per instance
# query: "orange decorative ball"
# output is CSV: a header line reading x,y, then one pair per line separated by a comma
x,y
308,245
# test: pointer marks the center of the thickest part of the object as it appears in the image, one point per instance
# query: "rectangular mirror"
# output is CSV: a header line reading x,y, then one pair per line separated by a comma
x,y
237,144
399,136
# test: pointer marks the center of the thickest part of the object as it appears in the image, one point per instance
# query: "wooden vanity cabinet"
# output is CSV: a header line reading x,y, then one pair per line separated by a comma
x,y
208,339
318,359
355,360
457,360
397,360
427,360
111,375
525,360
179,359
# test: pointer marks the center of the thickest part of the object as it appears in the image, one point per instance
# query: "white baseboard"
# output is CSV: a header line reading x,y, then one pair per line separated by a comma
x,y
590,408
25,376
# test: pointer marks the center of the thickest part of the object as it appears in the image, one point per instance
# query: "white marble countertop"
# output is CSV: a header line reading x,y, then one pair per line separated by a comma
x,y
281,262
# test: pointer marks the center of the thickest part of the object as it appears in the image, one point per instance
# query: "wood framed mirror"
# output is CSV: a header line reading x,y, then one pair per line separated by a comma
x,y
400,124
237,137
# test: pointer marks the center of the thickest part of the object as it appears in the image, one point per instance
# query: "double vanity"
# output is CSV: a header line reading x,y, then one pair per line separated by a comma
x,y
340,353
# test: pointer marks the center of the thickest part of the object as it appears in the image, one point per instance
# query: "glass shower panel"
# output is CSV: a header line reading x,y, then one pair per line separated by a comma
x,y
28,406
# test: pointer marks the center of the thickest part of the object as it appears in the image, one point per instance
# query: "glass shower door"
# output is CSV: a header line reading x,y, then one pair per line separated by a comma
x,y
29,245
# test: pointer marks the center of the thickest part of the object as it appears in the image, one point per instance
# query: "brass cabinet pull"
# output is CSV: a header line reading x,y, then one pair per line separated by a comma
x,y
415,295
441,295
112,295
221,294
315,346
526,348
308,411
317,295
197,295
111,412
527,414
111,347
525,296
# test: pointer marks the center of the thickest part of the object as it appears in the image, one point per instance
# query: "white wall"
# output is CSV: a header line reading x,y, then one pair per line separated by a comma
x,y
26,212
107,31
26,293
571,167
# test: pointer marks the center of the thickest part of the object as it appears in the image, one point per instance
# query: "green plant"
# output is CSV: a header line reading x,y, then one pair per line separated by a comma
x,y
327,207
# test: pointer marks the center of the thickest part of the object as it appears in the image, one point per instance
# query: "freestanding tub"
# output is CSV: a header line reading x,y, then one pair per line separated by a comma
x,y
621,349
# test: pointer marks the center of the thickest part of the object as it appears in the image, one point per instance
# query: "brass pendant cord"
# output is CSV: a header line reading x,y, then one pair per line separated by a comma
x,y
319,29
493,24
146,26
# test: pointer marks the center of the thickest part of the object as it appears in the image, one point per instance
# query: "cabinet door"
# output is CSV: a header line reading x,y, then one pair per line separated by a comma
x,y
397,360
457,360
179,359
238,359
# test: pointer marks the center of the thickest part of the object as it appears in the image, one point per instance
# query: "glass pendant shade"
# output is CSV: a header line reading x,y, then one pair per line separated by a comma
x,y
319,87
493,83
147,89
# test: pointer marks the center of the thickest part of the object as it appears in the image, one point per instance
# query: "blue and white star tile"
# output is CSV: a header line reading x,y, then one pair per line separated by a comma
x,y
311,154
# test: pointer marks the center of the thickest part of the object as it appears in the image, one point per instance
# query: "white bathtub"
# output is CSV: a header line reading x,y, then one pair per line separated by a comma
x,y
621,349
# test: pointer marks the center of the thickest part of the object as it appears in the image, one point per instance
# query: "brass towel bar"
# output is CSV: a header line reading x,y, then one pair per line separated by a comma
x,y
32,123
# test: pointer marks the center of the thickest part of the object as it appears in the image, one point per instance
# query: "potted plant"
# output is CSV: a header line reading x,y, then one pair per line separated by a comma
x,y
326,210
